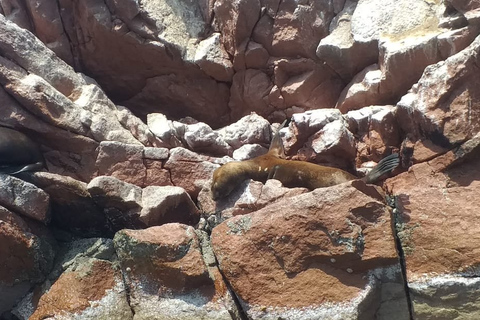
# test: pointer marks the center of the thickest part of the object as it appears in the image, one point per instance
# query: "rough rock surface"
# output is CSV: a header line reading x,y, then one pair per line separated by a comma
x,y
250,196
84,284
27,250
167,276
435,203
445,109
24,198
134,104
72,206
304,243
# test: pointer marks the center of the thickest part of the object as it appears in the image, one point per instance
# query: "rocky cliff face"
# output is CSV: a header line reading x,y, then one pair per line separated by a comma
x,y
136,103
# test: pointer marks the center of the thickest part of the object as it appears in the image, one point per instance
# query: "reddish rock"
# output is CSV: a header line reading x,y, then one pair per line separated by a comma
x,y
236,20
299,27
15,11
277,258
435,210
167,276
74,292
148,73
48,27
306,83
362,91
256,56
189,170
464,6
27,257
249,92
339,49
444,105
250,196
84,284
156,174
122,161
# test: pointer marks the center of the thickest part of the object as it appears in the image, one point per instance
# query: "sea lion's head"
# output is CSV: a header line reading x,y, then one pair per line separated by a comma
x,y
226,178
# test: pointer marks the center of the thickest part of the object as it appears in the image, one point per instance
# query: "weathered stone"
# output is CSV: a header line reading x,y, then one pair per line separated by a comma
x,y
201,138
212,58
138,128
256,56
24,198
155,153
48,27
248,151
249,92
250,196
306,83
329,238
122,161
376,129
165,129
333,140
73,209
305,124
236,20
15,11
147,73
32,55
339,49
299,27
435,211
27,257
85,284
162,205
444,105
156,174
249,129
120,201
416,41
167,276
362,90
189,170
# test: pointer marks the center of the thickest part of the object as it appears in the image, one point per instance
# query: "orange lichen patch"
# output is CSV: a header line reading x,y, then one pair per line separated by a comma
x,y
75,290
15,248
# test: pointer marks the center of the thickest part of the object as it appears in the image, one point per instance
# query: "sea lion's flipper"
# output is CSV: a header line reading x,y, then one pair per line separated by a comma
x,y
386,165
22,168
276,146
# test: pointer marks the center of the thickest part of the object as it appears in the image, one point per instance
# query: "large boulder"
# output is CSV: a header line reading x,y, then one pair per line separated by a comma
x,y
278,257
167,276
436,214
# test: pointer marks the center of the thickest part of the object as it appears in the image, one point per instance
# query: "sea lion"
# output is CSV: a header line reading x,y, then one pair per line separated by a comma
x,y
18,153
291,173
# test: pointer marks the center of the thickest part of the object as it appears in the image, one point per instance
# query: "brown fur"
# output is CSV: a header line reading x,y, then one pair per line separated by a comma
x,y
290,173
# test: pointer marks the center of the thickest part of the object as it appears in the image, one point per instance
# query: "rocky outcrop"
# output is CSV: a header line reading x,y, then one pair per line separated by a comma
x,y
27,249
134,104
435,207
84,284
167,276
323,240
